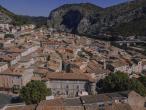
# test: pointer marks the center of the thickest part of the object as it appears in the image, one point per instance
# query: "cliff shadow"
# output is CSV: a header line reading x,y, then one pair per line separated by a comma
x,y
71,20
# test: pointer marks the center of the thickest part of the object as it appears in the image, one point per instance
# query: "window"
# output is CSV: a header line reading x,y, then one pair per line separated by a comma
x,y
16,88
77,87
67,87
101,107
67,90
110,104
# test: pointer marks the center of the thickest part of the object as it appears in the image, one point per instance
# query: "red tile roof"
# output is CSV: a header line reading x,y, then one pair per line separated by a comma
x,y
68,76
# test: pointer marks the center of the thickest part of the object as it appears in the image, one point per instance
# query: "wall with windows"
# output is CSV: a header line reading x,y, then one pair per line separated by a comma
x,y
67,88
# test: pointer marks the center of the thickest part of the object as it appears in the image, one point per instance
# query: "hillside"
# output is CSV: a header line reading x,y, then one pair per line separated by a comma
x,y
88,19
4,15
135,15
8,17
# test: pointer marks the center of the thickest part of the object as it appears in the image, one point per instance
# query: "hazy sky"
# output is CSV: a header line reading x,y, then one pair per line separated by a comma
x,y
43,7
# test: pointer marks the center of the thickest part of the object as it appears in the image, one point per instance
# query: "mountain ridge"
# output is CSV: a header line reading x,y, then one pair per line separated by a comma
x,y
125,19
97,19
7,16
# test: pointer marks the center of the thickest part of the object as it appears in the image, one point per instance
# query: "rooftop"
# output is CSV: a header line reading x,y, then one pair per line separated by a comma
x,y
91,99
68,76
13,71
27,107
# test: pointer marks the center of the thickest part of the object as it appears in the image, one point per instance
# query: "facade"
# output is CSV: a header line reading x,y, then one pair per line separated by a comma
x,y
14,78
68,84
66,88
27,76
126,68
9,80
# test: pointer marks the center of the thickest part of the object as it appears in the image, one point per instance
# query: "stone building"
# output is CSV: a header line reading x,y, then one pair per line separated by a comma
x,y
69,84
90,102
54,61
15,78
127,100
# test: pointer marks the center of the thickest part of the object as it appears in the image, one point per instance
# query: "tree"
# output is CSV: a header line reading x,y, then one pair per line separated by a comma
x,y
142,79
115,82
137,86
34,92
120,82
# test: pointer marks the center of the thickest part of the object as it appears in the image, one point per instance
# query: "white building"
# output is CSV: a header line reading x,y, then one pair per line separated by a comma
x,y
134,67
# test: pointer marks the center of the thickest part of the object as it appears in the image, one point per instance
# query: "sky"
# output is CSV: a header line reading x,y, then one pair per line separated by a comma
x,y
43,7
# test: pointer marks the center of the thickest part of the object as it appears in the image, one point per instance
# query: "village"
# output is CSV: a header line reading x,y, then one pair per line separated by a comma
x,y
69,64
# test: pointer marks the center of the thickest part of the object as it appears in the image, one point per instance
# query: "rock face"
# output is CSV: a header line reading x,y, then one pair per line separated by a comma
x,y
78,18
89,19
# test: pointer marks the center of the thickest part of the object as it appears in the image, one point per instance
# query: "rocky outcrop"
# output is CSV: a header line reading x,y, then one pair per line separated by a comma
x,y
90,19
78,18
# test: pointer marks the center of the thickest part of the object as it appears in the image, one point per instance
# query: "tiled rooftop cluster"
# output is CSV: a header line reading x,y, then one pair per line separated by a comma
x,y
70,65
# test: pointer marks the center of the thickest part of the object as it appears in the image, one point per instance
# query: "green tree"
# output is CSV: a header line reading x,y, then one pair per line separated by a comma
x,y
115,82
120,82
34,92
137,86
142,79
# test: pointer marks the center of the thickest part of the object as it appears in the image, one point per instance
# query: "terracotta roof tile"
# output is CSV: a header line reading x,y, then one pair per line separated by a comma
x,y
15,50
12,71
68,76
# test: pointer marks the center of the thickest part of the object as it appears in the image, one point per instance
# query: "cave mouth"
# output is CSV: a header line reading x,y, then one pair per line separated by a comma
x,y
71,20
